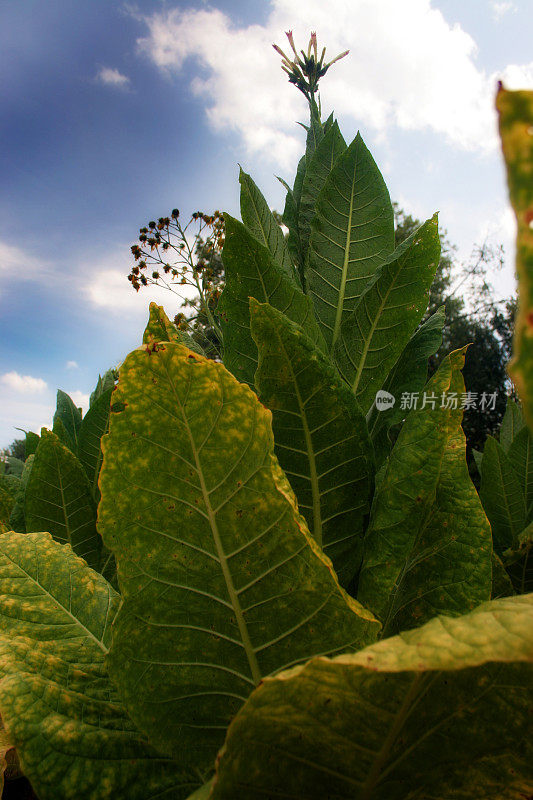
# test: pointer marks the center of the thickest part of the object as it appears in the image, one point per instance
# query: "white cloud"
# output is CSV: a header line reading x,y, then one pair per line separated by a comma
x,y
80,399
72,365
499,9
23,384
16,264
110,289
112,77
408,67
26,414
516,76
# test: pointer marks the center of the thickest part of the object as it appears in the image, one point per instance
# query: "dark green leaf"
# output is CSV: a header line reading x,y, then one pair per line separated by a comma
x,y
69,415
409,375
320,436
373,336
259,220
478,458
502,496
428,547
520,454
512,424
17,520
317,171
352,234
94,425
58,499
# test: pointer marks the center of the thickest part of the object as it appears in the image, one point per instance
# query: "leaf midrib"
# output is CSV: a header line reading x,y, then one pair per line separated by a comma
x,y
232,593
342,288
63,502
258,217
375,771
313,474
377,318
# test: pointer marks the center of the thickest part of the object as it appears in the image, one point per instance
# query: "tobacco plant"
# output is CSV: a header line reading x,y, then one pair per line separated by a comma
x,y
302,602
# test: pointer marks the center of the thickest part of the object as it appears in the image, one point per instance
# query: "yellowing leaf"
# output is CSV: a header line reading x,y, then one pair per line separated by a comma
x,y
221,582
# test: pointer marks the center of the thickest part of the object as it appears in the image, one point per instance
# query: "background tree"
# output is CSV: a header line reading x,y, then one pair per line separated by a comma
x,y
17,449
472,316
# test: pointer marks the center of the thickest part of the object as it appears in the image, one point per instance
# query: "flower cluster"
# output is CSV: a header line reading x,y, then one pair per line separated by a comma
x,y
173,255
167,248
306,69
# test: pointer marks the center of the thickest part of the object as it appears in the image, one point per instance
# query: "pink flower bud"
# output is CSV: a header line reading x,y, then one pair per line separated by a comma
x,y
280,51
338,58
290,37
313,43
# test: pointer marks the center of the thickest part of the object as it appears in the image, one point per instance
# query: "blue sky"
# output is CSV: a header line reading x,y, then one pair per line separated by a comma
x,y
114,113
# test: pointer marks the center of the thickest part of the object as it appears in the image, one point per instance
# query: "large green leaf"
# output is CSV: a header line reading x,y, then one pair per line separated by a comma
x,y
252,272
502,496
58,499
69,415
221,581
409,376
352,233
320,436
516,123
512,424
373,336
94,425
259,220
73,738
520,454
428,547
440,712
317,170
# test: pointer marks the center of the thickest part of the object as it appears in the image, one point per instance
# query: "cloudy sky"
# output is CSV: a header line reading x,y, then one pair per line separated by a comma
x,y
114,113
